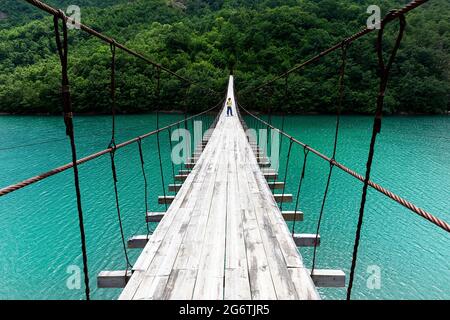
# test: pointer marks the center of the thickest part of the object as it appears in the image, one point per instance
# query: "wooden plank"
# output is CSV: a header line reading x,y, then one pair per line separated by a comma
x,y
137,242
282,233
189,165
165,258
303,284
284,287
154,216
180,284
292,215
261,284
275,185
175,187
270,175
287,197
191,248
156,239
181,177
166,199
209,283
237,283
328,278
113,279
306,239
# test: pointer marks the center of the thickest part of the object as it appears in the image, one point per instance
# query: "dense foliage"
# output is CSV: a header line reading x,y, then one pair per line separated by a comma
x,y
203,39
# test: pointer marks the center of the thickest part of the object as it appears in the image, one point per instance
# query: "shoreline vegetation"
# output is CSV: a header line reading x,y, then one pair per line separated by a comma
x,y
202,40
254,111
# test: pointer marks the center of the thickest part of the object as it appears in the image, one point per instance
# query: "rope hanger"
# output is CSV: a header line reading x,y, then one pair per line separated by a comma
x,y
63,50
113,147
336,136
384,77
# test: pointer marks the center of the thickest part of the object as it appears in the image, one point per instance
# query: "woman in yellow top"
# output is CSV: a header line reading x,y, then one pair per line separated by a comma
x,y
229,110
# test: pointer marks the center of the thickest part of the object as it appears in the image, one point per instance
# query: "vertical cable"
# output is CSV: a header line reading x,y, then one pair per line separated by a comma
x,y
113,147
302,176
169,132
144,176
62,47
158,93
384,77
285,173
344,47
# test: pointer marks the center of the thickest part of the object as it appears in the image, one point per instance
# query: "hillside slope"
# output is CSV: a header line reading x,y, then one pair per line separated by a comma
x,y
203,39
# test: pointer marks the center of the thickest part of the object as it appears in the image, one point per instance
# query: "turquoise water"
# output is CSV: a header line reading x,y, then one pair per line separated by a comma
x,y
39,235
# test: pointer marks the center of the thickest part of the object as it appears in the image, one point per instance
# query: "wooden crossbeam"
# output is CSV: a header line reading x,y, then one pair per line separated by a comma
x,y
292,215
276,185
113,279
154,216
328,278
189,165
181,177
287,197
270,175
306,239
137,242
165,199
175,187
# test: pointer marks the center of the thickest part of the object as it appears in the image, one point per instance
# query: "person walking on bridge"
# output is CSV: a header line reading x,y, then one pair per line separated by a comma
x,y
229,109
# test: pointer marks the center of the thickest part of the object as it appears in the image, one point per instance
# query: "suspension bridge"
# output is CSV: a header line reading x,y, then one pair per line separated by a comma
x,y
224,234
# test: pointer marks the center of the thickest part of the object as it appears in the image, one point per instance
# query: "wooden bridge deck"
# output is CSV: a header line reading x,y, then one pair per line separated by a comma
x,y
223,236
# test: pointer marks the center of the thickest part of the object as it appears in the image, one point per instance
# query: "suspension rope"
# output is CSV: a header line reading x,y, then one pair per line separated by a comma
x,y
113,147
113,90
119,217
285,173
302,176
169,132
282,116
183,163
161,171
144,176
188,145
286,93
157,94
62,46
384,77
336,136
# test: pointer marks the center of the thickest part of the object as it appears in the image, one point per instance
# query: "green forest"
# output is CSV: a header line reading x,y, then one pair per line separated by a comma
x,y
203,39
